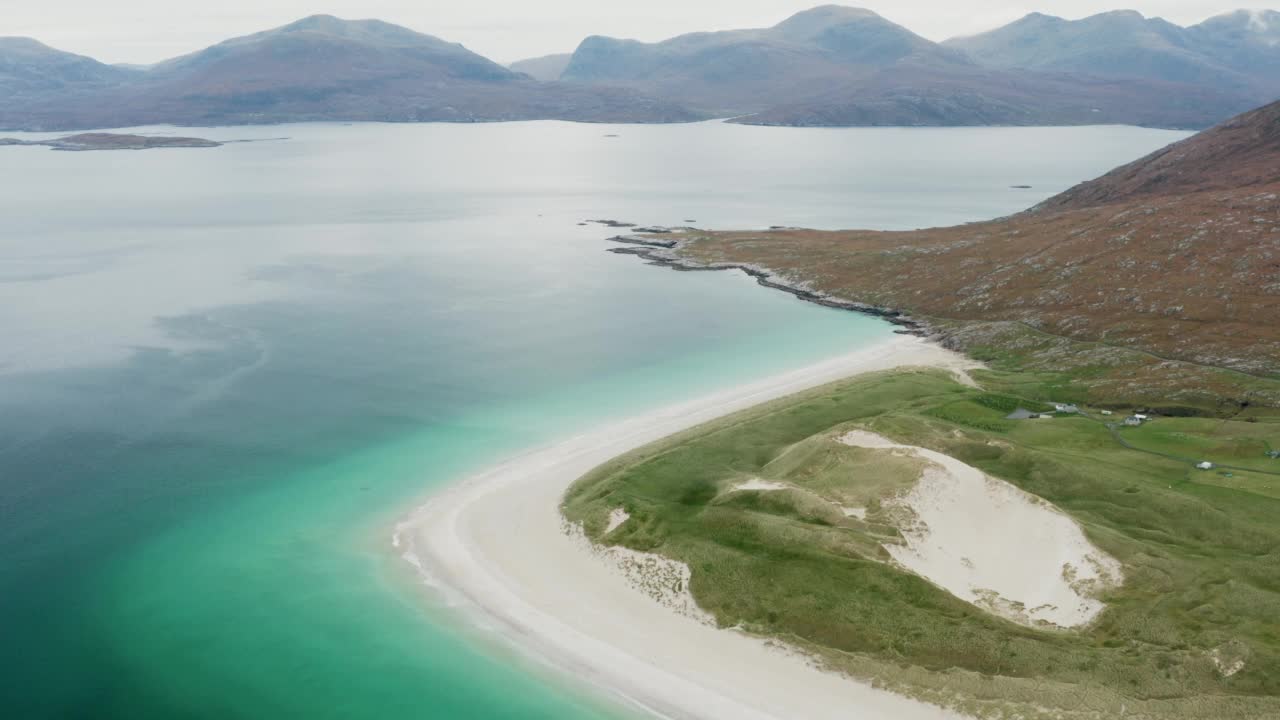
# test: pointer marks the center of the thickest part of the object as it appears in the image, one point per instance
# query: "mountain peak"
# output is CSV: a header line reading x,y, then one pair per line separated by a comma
x,y
25,45
834,12
1121,14
318,23
319,19
856,35
808,23
30,66
1036,20
375,31
1116,20
332,32
18,41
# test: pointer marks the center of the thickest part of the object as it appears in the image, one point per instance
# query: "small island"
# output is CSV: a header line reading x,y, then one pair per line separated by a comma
x,y
114,141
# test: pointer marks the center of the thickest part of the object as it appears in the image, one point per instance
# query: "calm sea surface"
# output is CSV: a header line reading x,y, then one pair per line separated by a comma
x,y
225,373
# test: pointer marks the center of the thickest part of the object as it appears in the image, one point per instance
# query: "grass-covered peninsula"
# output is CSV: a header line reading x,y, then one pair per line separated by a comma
x,y
757,505
1127,327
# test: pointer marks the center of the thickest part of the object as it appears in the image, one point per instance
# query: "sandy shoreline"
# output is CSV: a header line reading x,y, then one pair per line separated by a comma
x,y
497,541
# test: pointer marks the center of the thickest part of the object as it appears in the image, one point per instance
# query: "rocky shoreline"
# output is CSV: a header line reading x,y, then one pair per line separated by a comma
x,y
662,252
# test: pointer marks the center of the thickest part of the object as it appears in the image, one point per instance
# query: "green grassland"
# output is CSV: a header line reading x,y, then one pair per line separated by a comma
x,y
1041,366
1200,550
1224,442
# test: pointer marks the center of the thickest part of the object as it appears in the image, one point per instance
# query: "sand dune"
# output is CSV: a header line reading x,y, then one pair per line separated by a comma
x,y
499,541
1002,549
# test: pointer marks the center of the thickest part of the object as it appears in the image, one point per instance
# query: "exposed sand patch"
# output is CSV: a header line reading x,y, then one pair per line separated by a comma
x,y
759,485
962,376
1229,658
617,516
497,544
991,544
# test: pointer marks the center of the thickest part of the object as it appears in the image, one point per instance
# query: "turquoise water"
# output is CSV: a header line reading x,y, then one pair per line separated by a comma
x,y
226,373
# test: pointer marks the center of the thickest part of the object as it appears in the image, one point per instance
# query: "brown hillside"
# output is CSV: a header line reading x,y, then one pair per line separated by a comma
x,y
1240,153
1177,254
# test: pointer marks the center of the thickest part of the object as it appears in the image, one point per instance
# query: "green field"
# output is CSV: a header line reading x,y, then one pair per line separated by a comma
x,y
1230,442
1199,549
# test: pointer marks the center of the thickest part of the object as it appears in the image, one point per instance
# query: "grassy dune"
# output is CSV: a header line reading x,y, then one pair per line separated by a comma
x,y
1199,549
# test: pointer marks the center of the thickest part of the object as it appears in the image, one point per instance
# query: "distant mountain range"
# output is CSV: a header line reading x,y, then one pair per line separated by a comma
x,y
1240,50
737,72
831,65
319,68
836,65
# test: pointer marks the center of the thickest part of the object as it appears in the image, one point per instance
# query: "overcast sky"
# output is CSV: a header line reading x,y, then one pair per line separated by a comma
x,y
145,31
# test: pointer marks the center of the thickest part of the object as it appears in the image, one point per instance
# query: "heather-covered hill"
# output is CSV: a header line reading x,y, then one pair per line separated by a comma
x,y
1239,154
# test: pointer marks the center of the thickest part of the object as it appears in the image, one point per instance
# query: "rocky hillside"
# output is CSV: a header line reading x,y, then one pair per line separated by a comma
x,y
1177,254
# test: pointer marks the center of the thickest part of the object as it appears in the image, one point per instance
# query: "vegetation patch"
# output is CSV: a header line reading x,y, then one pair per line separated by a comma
x,y
1194,631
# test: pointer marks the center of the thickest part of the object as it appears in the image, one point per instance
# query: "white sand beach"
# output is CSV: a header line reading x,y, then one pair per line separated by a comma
x,y
497,541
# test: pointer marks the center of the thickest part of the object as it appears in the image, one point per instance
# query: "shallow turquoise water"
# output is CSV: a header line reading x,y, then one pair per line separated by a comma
x,y
225,374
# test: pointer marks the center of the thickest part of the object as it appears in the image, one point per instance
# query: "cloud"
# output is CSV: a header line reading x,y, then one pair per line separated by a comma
x,y
1258,21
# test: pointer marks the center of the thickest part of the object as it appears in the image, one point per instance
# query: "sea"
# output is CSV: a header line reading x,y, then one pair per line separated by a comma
x,y
225,374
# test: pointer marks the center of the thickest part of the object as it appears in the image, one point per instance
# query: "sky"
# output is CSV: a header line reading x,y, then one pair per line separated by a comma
x,y
146,31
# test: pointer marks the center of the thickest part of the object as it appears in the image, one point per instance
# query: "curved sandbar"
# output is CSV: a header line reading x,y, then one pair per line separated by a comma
x,y
498,540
